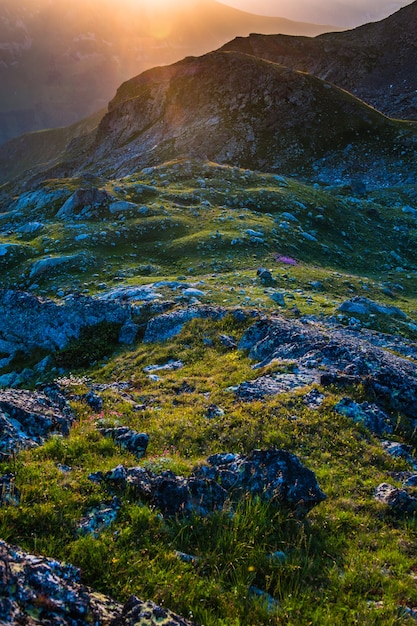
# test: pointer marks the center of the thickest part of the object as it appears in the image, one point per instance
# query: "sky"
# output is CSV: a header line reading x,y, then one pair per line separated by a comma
x,y
347,13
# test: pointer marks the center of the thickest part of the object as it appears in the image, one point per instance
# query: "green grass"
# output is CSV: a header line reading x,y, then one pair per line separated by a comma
x,y
350,561
349,555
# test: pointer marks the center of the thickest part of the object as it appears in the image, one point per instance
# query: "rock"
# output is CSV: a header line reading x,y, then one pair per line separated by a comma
x,y
364,306
370,415
191,292
400,450
391,378
121,206
171,365
138,613
84,203
28,322
275,383
214,411
9,493
274,476
142,293
313,399
168,325
99,518
228,341
30,228
278,298
128,333
129,439
271,604
51,264
94,401
397,499
265,276
40,590
27,418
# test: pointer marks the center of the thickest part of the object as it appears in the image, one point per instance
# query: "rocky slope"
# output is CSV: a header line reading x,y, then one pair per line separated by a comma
x,y
60,62
375,62
233,108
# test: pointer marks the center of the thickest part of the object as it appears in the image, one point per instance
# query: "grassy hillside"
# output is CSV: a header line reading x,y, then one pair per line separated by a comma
x,y
209,227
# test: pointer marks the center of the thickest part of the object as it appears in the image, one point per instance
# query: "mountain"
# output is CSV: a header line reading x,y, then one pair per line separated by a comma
x,y
238,109
61,61
375,62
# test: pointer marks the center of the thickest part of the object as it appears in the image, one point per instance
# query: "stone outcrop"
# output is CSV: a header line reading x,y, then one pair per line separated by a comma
x,y
275,476
27,418
29,322
339,356
38,590
168,325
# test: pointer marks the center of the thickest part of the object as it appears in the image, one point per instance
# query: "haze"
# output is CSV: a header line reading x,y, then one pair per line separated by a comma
x,y
346,13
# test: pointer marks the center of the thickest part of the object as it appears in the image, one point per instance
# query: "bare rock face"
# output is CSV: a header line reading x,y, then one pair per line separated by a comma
x,y
37,590
374,61
28,418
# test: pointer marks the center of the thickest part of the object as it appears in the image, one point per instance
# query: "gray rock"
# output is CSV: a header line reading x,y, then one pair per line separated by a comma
x,y
191,292
400,450
144,293
273,475
29,583
128,333
265,276
213,411
84,203
168,325
274,384
28,322
364,306
171,365
30,228
331,351
94,401
99,518
137,612
370,415
228,341
278,298
314,398
397,499
27,418
121,206
50,264
128,439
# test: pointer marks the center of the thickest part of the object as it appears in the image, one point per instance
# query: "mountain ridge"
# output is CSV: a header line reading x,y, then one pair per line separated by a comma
x,y
374,62
60,63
